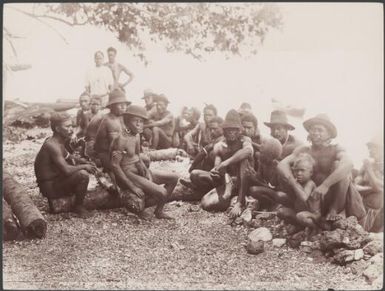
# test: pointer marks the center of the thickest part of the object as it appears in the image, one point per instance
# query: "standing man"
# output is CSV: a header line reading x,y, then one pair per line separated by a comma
x,y
99,80
92,128
279,129
162,124
117,69
55,175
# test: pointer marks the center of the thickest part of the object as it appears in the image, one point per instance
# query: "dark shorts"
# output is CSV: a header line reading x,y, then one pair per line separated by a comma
x,y
62,186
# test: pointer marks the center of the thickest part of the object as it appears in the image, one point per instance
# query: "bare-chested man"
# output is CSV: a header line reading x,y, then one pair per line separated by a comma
x,y
110,127
92,127
370,184
55,175
82,116
199,136
129,169
117,69
162,124
233,155
204,160
279,129
332,171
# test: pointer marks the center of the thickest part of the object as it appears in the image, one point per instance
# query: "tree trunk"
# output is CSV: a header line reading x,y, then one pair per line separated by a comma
x,y
31,220
10,229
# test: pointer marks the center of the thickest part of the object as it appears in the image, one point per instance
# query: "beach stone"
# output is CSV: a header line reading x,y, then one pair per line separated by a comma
x,y
255,247
374,247
279,242
295,240
358,254
246,216
260,234
375,268
345,223
342,257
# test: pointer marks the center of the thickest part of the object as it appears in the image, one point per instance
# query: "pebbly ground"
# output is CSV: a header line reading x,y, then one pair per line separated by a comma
x,y
116,250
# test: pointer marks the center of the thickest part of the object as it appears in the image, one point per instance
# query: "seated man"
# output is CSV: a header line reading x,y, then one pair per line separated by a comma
x,y
250,129
82,116
279,129
332,171
129,169
370,184
199,136
204,160
186,121
110,127
232,156
162,125
55,175
264,182
92,127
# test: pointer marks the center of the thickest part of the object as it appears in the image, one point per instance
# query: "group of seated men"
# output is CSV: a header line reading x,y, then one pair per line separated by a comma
x,y
309,185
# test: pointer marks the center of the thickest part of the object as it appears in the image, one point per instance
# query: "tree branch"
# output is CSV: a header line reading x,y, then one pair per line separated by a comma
x,y
36,17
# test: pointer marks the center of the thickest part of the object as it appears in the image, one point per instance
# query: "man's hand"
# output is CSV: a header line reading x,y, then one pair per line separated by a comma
x,y
221,168
190,150
139,192
90,168
320,190
236,211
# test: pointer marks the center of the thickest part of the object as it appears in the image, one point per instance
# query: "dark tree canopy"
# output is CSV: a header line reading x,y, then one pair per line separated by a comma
x,y
192,28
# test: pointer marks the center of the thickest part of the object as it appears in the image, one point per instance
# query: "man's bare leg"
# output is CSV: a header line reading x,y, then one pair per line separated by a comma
x,y
308,220
154,190
169,180
335,199
202,180
219,199
160,138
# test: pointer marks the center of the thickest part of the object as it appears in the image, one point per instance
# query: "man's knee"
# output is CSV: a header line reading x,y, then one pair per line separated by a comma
x,y
284,213
195,176
302,216
82,176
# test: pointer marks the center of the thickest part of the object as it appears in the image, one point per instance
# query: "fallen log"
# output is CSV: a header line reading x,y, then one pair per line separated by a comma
x,y
165,154
32,222
11,231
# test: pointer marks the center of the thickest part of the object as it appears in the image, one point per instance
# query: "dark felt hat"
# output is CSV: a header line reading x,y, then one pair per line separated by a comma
x,y
117,96
148,93
135,110
324,120
279,117
161,98
232,120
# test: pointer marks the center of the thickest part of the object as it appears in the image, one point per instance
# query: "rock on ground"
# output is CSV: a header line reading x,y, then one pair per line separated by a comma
x,y
260,234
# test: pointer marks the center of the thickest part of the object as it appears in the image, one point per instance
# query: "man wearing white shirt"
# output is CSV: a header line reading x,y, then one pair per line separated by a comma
x,y
99,80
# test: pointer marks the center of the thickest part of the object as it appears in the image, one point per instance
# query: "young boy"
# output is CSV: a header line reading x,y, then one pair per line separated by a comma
x,y
307,204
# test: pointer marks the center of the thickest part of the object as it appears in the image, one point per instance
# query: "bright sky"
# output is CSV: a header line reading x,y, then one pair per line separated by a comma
x,y
327,58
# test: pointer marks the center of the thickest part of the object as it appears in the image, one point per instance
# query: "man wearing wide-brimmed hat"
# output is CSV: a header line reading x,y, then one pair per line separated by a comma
x,y
370,184
279,129
331,174
148,97
162,124
132,174
111,126
232,155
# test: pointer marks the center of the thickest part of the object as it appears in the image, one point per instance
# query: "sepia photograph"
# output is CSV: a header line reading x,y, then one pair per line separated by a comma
x,y
193,146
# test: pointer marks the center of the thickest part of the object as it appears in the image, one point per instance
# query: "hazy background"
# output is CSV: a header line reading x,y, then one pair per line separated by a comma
x,y
327,58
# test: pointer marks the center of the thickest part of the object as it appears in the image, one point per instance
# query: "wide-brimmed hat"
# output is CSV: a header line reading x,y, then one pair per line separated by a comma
x,y
324,120
148,93
232,120
117,96
161,98
376,141
278,117
135,110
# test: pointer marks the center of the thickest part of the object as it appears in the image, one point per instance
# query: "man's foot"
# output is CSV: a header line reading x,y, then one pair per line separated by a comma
x,y
163,215
144,215
333,216
187,183
82,212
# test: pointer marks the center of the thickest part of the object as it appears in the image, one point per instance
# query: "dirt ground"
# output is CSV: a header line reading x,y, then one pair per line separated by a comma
x,y
115,250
